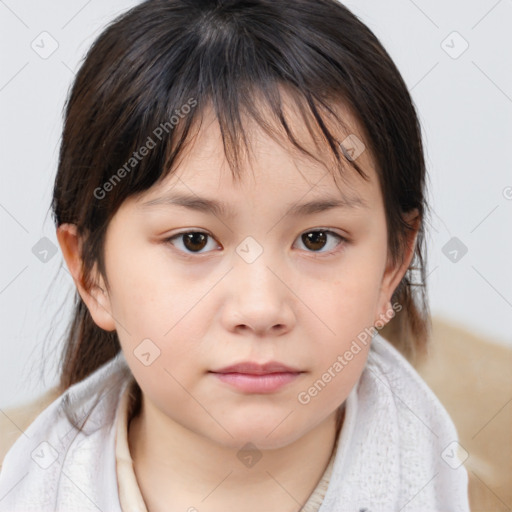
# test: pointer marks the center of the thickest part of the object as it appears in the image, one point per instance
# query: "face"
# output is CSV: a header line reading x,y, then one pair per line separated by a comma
x,y
194,289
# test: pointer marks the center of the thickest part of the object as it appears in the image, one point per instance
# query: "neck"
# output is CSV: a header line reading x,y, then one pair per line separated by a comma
x,y
178,469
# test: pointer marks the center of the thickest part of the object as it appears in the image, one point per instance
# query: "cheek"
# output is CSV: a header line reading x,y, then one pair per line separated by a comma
x,y
173,349
351,297
348,313
151,302
340,353
145,290
346,306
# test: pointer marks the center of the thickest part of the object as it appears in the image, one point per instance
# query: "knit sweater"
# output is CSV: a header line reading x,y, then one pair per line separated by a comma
x,y
397,449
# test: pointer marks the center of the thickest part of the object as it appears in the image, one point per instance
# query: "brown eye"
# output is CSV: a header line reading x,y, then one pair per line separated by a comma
x,y
191,241
194,241
315,241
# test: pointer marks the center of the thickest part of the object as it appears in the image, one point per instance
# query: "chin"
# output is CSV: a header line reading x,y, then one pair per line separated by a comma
x,y
260,435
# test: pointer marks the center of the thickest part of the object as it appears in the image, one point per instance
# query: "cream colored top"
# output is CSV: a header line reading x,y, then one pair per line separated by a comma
x,y
130,496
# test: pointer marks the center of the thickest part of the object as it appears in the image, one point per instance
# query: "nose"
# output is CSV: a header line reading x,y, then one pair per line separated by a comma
x,y
259,300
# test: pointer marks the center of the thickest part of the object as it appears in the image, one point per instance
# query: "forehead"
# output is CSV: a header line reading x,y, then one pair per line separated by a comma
x,y
274,166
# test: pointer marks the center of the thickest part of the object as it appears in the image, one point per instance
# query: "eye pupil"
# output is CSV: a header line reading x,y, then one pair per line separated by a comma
x,y
190,239
314,238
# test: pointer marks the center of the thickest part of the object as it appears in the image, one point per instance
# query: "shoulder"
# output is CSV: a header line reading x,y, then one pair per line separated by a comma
x,y
470,374
15,420
91,396
416,405
394,435
389,365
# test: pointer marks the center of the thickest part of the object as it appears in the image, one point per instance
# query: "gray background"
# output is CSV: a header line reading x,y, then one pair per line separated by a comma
x,y
464,99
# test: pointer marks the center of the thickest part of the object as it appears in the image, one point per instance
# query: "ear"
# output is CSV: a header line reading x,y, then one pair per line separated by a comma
x,y
394,274
96,298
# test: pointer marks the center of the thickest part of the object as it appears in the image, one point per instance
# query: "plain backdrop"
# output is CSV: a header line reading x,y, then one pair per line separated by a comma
x,y
456,58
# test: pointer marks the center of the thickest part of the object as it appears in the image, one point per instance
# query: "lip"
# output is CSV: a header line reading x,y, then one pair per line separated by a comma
x,y
254,368
264,383
252,377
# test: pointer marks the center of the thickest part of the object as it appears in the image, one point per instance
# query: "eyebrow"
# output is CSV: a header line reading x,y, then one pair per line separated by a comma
x,y
220,209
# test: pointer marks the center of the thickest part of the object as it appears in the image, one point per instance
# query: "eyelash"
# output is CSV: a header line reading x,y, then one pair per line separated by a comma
x,y
318,254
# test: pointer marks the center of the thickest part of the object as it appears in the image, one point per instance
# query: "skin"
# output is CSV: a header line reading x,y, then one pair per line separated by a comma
x,y
299,304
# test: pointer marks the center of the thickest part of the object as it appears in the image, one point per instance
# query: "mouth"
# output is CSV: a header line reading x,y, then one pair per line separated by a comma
x,y
255,368
254,377
257,383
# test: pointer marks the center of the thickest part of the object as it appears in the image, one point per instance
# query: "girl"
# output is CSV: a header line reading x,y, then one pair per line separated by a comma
x,y
224,351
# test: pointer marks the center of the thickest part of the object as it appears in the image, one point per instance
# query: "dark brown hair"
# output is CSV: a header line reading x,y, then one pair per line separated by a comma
x,y
164,54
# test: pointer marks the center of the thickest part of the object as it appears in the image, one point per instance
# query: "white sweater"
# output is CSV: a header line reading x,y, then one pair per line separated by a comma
x,y
397,449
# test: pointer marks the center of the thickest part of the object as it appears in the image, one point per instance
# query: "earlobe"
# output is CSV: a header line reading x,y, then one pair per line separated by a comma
x,y
96,297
